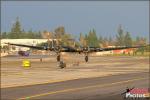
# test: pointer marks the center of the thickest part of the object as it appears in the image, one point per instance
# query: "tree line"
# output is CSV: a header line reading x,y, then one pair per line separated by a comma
x,y
18,33
122,37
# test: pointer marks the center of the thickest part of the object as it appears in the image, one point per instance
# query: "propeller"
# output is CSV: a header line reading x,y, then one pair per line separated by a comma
x,y
84,47
52,44
47,35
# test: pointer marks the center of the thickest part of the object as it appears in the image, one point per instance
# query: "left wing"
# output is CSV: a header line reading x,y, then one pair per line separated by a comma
x,y
56,48
29,46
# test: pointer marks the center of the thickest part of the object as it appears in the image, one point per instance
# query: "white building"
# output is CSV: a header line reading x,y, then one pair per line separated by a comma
x,y
31,42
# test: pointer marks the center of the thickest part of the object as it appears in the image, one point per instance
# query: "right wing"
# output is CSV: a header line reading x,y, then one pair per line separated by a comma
x,y
94,49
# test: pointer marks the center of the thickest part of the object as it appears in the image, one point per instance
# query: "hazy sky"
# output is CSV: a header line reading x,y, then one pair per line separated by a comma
x,y
78,16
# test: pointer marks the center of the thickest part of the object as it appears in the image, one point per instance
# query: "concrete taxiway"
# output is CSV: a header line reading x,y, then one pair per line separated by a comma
x,y
100,88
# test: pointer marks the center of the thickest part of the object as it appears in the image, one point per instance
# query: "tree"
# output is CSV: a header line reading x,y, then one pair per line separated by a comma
x,y
31,34
85,40
128,39
59,31
65,39
110,41
82,39
120,37
92,39
140,40
24,34
105,42
16,30
95,39
4,35
100,41
38,35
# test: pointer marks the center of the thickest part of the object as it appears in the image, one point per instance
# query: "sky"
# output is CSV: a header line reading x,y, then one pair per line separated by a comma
x,y
78,16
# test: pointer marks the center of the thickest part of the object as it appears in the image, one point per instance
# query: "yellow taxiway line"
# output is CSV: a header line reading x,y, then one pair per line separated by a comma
x,y
81,88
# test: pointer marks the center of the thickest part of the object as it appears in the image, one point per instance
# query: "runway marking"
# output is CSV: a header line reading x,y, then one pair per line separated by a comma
x,y
81,88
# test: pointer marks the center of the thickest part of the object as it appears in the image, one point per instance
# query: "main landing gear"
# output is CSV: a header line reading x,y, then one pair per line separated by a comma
x,y
61,64
86,58
58,57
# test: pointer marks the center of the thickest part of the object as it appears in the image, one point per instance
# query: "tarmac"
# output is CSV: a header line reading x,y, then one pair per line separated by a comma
x,y
98,88
47,71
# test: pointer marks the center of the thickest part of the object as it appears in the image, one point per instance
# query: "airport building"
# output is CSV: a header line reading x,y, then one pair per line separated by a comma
x,y
31,42
22,41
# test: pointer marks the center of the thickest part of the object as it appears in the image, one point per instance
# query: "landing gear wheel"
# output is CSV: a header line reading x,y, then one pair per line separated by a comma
x,y
58,58
86,58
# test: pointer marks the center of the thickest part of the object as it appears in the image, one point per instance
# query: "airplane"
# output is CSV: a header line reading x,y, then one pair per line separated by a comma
x,y
52,46
55,46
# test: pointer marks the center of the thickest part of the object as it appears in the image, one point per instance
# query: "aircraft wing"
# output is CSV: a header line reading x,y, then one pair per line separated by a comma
x,y
70,49
96,49
63,48
29,46
113,48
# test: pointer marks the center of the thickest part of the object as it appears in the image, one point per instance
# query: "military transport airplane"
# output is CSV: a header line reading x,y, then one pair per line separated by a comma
x,y
60,48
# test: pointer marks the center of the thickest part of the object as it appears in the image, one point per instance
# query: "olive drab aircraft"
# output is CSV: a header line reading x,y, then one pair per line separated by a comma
x,y
55,46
